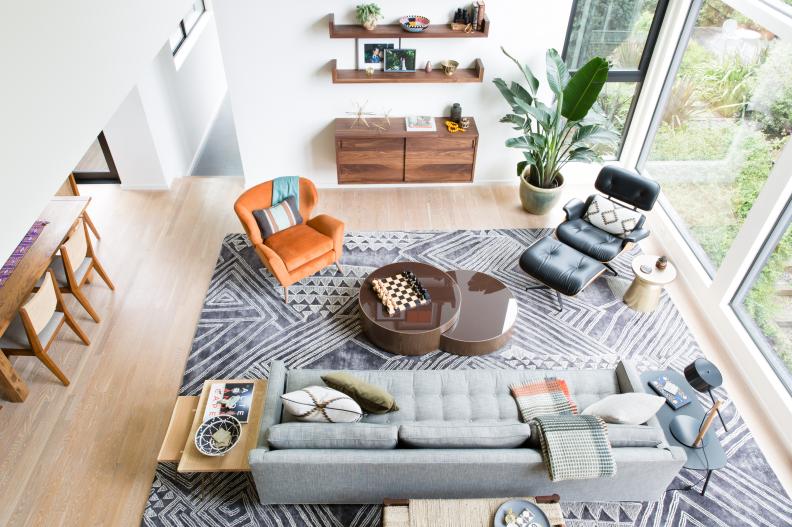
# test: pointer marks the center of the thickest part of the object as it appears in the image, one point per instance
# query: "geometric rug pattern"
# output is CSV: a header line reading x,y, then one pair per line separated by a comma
x,y
245,324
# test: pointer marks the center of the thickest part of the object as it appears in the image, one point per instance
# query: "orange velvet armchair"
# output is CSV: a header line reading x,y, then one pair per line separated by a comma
x,y
299,251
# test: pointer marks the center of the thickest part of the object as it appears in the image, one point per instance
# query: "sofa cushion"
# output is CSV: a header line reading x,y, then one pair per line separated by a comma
x,y
332,435
622,436
370,397
462,395
318,404
449,434
299,245
278,217
626,408
611,217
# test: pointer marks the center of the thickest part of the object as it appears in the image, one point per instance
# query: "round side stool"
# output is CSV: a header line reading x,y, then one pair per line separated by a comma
x,y
645,290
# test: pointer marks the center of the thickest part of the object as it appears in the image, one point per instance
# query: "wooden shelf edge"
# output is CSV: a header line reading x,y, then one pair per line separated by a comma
x,y
475,74
396,31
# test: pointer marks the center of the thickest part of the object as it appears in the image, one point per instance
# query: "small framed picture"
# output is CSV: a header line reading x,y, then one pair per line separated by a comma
x,y
371,51
400,60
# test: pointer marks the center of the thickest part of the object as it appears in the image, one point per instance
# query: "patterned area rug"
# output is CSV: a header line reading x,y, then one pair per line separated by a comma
x,y
244,325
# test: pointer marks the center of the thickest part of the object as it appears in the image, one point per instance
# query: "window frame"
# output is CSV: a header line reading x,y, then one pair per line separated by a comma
x,y
783,222
637,76
184,31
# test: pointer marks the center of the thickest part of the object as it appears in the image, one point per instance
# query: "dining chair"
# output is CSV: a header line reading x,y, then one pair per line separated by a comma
x,y
34,329
70,188
75,265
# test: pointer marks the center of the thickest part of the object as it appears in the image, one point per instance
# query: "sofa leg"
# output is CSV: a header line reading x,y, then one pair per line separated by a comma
x,y
610,268
340,269
286,294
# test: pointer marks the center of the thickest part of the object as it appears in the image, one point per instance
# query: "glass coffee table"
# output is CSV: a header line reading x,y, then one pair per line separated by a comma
x,y
470,313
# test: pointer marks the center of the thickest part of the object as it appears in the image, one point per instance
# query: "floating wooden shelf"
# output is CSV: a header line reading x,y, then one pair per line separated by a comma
x,y
396,31
474,74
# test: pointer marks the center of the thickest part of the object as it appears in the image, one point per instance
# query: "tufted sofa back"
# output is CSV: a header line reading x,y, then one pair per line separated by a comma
x,y
461,395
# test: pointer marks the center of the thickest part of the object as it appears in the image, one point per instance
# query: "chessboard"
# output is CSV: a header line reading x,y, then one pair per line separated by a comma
x,y
400,292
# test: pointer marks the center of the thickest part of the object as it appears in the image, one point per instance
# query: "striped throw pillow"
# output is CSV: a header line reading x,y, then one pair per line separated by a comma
x,y
274,219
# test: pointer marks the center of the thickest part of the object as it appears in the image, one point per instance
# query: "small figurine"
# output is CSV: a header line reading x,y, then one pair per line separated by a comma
x,y
662,262
465,123
428,68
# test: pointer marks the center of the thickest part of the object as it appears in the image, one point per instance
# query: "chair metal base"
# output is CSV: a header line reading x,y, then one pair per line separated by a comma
x,y
610,268
558,295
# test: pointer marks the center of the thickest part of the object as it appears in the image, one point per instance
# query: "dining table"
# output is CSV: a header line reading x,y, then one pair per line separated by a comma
x,y
61,215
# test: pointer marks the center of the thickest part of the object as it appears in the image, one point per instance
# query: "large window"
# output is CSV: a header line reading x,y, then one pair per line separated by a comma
x,y
764,303
624,32
727,112
186,25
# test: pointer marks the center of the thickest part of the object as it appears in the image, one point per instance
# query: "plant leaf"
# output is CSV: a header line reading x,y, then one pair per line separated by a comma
x,y
519,121
520,92
583,88
533,82
557,72
594,135
505,91
521,168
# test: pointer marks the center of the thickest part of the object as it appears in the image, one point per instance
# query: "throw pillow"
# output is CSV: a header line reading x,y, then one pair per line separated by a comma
x,y
317,404
371,398
626,408
611,217
278,217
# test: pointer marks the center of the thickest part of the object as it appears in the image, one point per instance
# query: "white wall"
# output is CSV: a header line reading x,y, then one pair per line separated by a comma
x,y
66,67
284,101
180,97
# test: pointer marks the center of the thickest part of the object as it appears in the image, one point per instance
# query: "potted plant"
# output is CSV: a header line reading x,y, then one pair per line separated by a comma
x,y
553,135
368,15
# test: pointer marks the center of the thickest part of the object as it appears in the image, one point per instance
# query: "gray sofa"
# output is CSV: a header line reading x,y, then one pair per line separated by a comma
x,y
303,463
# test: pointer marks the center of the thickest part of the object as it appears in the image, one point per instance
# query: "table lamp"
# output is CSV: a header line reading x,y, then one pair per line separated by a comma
x,y
704,376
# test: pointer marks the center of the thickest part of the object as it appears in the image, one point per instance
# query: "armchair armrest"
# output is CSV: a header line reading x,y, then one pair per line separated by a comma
x,y
274,263
332,228
574,209
636,235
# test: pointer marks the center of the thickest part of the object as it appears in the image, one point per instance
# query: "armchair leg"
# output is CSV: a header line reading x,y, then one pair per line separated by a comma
x,y
340,269
286,294
610,268
558,295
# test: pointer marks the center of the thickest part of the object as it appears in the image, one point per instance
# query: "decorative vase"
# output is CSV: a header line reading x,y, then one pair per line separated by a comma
x,y
370,24
456,112
539,201
428,68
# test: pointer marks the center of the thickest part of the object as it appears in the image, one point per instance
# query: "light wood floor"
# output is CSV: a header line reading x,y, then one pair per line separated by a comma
x,y
85,455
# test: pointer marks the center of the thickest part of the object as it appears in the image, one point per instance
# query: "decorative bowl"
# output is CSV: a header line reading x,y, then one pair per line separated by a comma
x,y
414,23
539,519
449,67
205,437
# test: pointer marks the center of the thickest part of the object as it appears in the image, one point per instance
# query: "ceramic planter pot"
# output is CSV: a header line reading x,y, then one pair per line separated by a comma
x,y
370,24
537,200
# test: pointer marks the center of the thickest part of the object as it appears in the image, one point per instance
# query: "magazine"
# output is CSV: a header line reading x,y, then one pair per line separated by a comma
x,y
232,398
420,123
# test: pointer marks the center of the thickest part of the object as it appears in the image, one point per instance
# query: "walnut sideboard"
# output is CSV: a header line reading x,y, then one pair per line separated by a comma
x,y
389,154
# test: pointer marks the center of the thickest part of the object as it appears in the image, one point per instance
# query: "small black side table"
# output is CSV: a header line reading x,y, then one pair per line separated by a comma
x,y
709,457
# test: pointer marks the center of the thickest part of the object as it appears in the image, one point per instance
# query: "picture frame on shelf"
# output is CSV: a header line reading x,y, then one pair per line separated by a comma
x,y
400,60
371,52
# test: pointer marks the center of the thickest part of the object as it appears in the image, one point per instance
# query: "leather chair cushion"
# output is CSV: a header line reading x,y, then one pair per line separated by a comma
x,y
559,266
590,240
299,245
628,186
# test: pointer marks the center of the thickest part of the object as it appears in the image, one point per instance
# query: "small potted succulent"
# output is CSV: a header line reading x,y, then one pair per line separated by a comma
x,y
368,15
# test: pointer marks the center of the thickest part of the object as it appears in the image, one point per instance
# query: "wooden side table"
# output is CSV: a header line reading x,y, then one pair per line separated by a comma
x,y
446,513
179,445
644,292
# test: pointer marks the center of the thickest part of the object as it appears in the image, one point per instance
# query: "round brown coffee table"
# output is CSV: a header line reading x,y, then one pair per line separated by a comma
x,y
470,313
414,331
488,314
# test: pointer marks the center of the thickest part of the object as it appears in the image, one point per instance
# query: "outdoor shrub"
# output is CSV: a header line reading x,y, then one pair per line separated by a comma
x,y
696,141
771,103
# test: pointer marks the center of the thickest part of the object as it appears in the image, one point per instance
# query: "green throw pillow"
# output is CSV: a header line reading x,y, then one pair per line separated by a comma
x,y
372,399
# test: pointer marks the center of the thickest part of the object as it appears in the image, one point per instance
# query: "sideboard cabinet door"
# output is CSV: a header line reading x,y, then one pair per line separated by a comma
x,y
439,159
370,160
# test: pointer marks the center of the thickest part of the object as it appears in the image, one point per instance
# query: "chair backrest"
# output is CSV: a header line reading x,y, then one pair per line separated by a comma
x,y
40,307
628,187
260,197
76,247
